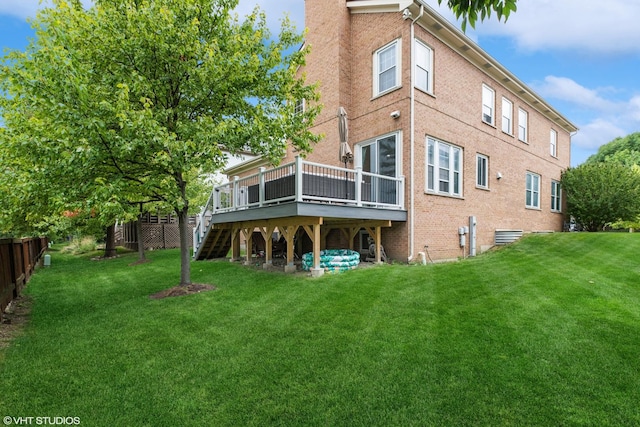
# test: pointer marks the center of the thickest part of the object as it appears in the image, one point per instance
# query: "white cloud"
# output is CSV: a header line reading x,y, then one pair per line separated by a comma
x,y
275,11
597,133
609,27
565,89
19,8
26,8
605,119
634,110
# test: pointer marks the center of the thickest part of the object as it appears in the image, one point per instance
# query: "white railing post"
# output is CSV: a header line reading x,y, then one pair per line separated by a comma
x,y
298,178
400,200
261,186
234,193
358,186
215,200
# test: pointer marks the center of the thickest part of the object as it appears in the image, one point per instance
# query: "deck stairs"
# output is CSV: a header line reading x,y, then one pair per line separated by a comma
x,y
215,244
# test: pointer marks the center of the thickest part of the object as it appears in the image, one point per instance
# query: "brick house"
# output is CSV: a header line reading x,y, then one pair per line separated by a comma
x,y
443,137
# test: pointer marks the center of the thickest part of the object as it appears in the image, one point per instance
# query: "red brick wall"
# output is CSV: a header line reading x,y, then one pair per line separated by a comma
x,y
342,48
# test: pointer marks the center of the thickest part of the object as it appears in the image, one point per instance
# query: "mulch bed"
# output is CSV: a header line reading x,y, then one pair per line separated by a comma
x,y
178,291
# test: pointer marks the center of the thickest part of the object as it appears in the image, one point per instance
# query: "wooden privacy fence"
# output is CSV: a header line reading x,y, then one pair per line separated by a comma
x,y
158,232
18,259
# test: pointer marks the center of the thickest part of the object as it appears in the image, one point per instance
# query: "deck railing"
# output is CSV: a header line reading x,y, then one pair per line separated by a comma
x,y
301,181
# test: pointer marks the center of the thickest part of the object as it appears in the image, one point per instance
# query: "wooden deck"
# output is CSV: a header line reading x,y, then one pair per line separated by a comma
x,y
300,195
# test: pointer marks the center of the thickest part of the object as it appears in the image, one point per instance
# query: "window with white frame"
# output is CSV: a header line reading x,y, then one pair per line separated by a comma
x,y
533,190
444,168
488,105
523,118
553,143
424,67
482,171
507,116
299,107
380,156
556,197
386,68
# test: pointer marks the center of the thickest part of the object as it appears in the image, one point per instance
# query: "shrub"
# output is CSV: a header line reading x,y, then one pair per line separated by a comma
x,y
81,245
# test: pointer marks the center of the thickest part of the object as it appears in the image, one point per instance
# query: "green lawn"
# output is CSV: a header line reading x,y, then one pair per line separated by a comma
x,y
544,332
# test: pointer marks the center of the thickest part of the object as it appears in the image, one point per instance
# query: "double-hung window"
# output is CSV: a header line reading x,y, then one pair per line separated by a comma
x,y
507,116
482,171
386,68
488,105
523,117
299,106
424,67
533,190
553,143
556,197
444,168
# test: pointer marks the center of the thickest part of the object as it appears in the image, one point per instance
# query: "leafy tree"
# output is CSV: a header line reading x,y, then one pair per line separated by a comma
x,y
471,10
132,99
625,151
602,193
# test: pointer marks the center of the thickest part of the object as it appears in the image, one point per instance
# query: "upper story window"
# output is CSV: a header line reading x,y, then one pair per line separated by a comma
x,y
299,107
507,116
533,191
488,105
556,197
523,118
386,68
553,143
482,171
444,168
424,67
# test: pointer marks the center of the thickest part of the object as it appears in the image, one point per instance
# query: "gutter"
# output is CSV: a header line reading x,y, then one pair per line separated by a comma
x,y
406,14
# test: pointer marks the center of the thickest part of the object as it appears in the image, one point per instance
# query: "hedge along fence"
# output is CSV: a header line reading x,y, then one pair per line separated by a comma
x,y
18,259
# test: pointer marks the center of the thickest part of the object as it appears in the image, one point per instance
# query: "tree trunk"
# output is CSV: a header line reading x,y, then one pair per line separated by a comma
x,y
110,242
185,249
141,255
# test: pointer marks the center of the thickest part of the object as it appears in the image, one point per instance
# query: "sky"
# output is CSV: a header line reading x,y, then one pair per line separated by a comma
x,y
581,56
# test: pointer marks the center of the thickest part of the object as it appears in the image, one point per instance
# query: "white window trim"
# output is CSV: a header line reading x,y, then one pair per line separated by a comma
x,y
300,106
534,191
358,150
436,167
556,196
507,116
523,126
486,90
486,171
397,44
429,69
553,143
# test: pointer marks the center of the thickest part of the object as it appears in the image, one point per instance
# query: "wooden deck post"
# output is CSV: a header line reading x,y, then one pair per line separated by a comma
x,y
316,238
289,233
235,244
316,271
267,232
248,237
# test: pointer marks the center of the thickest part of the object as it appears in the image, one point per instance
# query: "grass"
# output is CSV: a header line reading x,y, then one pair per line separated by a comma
x,y
543,332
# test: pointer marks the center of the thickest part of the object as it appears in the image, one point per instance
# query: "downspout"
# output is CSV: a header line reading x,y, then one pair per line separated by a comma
x,y
412,216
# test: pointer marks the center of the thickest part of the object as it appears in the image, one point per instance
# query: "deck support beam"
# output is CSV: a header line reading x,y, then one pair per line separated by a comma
x,y
376,234
235,244
267,232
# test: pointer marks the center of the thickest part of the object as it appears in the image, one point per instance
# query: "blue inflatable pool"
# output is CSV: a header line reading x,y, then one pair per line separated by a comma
x,y
333,260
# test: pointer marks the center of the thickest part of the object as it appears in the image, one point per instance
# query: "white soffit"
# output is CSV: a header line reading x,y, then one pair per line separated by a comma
x,y
374,6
